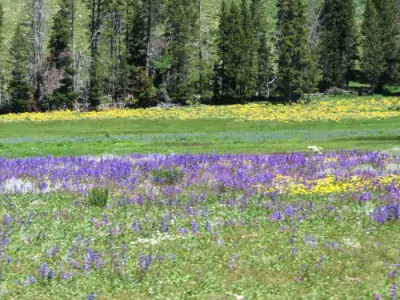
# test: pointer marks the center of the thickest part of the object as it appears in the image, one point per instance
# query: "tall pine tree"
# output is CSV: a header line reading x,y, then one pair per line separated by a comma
x,y
61,54
182,30
372,61
138,48
97,10
262,50
338,45
294,66
1,23
243,51
388,13
2,71
21,92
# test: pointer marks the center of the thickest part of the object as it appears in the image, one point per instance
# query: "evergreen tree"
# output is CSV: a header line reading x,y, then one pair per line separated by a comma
x,y
388,13
37,18
21,92
182,30
140,78
2,71
97,10
61,54
1,23
220,79
114,31
294,67
265,72
338,51
261,49
235,74
372,61
248,52
138,38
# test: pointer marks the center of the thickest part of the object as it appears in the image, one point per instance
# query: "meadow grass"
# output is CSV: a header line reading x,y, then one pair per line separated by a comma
x,y
197,238
119,136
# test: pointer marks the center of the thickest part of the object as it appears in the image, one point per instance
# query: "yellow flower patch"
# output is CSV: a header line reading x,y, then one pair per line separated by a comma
x,y
333,110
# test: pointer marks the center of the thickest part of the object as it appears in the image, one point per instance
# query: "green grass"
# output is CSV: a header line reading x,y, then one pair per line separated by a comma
x,y
201,266
121,136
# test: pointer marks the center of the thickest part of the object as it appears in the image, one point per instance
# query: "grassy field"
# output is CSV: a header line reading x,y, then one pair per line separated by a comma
x,y
171,224
201,227
192,136
362,123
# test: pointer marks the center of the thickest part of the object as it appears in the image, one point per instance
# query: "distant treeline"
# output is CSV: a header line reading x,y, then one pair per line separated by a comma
x,y
142,52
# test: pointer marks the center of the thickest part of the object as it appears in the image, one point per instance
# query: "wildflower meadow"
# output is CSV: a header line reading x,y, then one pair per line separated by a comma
x,y
237,223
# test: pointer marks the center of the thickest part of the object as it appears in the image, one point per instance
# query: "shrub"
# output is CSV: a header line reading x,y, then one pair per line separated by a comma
x,y
167,176
98,197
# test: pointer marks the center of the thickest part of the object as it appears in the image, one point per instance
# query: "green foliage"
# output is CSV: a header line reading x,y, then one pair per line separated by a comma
x,y
61,54
338,43
61,34
138,39
97,11
98,197
372,60
294,62
167,176
245,67
95,86
1,23
21,92
181,32
163,50
388,12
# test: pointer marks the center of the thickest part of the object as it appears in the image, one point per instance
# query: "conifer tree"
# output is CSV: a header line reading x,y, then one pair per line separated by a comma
x,y
220,81
262,50
294,78
1,23
338,51
372,61
236,72
114,32
97,10
61,54
388,13
247,80
138,38
21,92
182,30
2,72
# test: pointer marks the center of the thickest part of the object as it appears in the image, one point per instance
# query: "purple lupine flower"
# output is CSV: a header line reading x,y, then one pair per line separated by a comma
x,y
195,227
44,270
393,291
86,266
136,226
144,262
365,197
7,220
313,243
377,296
182,230
289,211
29,281
164,226
51,274
207,226
91,296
